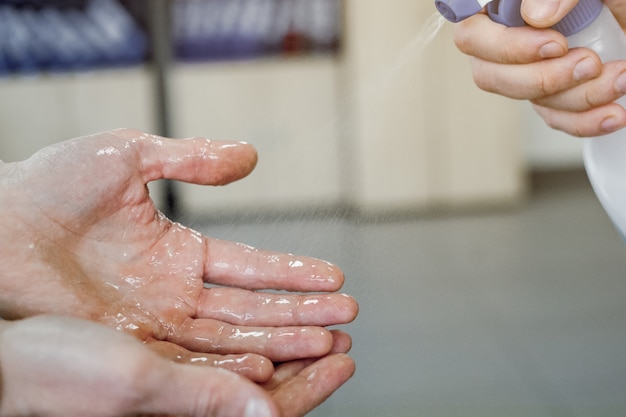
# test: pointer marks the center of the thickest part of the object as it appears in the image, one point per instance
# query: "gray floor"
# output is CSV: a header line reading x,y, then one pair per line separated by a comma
x,y
511,313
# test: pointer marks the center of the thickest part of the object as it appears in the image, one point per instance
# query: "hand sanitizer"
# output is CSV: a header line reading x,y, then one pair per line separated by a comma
x,y
591,25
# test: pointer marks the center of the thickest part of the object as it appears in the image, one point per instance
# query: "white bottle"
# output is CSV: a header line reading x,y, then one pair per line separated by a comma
x,y
605,156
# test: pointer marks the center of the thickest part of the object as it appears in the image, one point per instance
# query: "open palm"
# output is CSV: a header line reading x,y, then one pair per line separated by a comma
x,y
82,237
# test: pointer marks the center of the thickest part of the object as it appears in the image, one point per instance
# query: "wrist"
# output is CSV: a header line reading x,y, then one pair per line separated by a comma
x,y
4,327
16,243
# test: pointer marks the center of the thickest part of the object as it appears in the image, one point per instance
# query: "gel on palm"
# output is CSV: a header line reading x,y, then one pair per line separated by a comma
x,y
591,25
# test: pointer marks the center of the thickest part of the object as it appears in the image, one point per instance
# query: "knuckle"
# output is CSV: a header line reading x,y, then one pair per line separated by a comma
x,y
544,85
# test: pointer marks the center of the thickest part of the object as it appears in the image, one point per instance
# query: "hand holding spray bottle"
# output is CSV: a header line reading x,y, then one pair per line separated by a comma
x,y
591,25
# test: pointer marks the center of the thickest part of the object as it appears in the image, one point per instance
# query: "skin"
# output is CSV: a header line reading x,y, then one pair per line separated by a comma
x,y
60,366
81,237
570,89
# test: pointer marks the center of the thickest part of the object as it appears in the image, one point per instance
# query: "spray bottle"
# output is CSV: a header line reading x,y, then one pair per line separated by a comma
x,y
592,25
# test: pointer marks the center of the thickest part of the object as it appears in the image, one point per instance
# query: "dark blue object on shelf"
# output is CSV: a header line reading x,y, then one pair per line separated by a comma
x,y
68,35
239,29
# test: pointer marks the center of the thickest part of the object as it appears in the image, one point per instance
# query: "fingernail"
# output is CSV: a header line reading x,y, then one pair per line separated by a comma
x,y
542,10
610,124
257,408
585,69
552,50
620,83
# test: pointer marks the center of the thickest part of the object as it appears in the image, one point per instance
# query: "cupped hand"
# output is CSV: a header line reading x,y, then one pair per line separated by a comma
x,y
62,366
570,89
81,236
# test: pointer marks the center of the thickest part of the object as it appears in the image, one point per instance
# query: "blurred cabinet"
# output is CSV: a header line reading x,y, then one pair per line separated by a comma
x,y
367,120
287,109
423,134
37,111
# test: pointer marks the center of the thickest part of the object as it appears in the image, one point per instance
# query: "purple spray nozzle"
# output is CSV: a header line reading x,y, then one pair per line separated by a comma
x,y
508,12
457,10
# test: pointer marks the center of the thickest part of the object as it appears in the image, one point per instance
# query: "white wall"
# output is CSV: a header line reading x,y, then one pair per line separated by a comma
x,y
37,111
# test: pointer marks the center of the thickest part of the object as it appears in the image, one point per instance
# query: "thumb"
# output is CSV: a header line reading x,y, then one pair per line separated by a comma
x,y
195,160
546,13
195,391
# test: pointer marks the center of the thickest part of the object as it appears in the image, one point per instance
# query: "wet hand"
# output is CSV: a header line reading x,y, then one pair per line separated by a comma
x,y
81,236
60,366
570,89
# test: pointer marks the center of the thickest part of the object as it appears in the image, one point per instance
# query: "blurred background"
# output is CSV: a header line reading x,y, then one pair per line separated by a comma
x,y
491,282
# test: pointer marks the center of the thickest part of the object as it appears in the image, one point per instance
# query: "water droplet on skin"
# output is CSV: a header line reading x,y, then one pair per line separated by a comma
x,y
107,151
117,287
238,334
134,321
221,265
286,333
273,259
238,317
207,152
134,281
197,236
312,376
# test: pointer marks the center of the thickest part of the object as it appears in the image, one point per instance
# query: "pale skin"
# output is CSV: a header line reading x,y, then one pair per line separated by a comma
x,y
81,237
66,367
572,90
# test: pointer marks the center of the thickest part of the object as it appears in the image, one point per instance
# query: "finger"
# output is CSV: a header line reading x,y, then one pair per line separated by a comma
x,y
604,89
595,122
277,344
546,13
341,345
539,79
318,380
480,37
254,367
286,371
243,307
237,265
618,7
197,160
193,391
342,342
